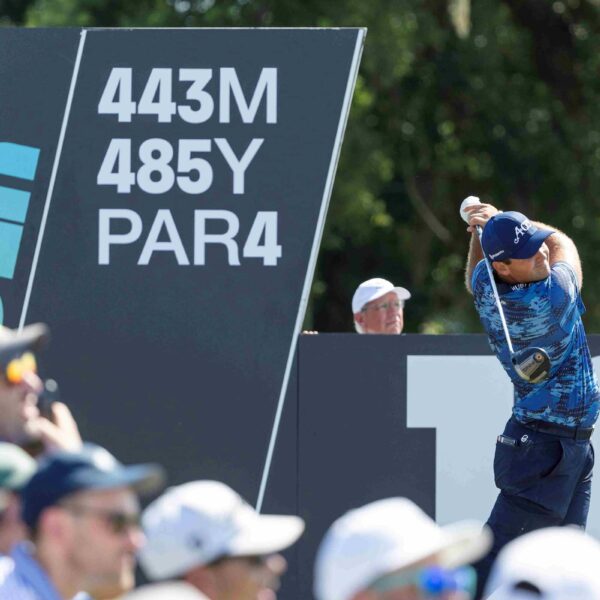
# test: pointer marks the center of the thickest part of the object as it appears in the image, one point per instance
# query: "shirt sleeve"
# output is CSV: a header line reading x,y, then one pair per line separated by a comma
x,y
476,276
564,295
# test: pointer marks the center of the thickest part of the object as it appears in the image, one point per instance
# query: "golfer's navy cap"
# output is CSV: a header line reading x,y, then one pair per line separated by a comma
x,y
92,468
512,235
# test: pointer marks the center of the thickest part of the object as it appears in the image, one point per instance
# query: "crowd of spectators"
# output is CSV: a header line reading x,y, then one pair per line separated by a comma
x,y
71,524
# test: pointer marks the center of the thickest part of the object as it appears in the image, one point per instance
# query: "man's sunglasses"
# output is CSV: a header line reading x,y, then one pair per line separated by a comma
x,y
383,306
18,368
432,581
118,522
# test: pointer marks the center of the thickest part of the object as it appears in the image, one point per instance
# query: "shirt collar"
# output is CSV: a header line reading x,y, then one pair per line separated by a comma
x,y
32,574
505,288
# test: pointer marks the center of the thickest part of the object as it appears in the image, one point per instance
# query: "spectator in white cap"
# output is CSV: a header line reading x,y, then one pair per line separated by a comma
x,y
205,534
391,550
556,563
378,307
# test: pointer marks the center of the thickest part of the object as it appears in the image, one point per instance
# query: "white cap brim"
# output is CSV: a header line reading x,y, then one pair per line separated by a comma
x,y
402,293
461,543
268,534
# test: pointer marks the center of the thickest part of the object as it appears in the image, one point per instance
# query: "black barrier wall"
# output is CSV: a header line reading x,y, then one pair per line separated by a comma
x,y
406,415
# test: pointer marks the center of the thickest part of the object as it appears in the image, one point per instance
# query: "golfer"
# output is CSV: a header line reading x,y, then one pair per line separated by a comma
x,y
543,461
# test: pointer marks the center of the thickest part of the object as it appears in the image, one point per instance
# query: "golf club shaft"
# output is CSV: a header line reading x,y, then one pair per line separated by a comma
x,y
496,296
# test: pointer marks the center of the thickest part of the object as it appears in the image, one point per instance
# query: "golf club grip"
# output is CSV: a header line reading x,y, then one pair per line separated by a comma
x,y
495,291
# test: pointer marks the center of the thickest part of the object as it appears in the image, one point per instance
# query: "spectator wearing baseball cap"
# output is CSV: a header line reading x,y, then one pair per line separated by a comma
x,y
391,549
555,563
82,511
20,387
16,467
378,307
205,534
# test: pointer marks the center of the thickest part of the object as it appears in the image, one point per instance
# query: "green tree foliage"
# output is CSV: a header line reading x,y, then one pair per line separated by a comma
x,y
495,98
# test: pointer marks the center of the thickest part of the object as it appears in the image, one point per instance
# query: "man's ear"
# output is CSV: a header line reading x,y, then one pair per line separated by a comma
x,y
359,317
54,522
501,268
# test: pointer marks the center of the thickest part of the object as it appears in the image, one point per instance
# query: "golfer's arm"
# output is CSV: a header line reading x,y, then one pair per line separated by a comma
x,y
474,256
563,249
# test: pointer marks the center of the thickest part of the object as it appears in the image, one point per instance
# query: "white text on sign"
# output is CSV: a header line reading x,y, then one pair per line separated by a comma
x,y
261,241
158,165
157,97
156,174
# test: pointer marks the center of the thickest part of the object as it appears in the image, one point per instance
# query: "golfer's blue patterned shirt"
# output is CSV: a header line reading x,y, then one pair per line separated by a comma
x,y
546,314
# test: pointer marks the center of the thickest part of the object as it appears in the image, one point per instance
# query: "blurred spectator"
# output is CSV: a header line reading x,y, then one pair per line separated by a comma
x,y
82,511
20,386
390,549
556,563
378,307
205,534
16,467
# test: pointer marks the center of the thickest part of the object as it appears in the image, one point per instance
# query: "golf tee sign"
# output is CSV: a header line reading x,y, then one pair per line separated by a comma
x,y
165,192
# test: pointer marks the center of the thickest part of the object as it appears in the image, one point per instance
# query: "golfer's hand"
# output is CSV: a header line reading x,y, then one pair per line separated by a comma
x,y
480,214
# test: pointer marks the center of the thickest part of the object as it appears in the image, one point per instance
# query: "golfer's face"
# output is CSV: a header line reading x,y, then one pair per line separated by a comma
x,y
384,315
536,268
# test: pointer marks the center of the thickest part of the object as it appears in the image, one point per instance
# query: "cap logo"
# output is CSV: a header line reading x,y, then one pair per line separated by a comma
x,y
496,254
522,229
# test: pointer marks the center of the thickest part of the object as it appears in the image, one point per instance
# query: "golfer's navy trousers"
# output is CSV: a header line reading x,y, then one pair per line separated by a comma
x,y
544,480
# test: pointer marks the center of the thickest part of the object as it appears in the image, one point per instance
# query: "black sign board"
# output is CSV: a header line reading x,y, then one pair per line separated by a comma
x,y
162,199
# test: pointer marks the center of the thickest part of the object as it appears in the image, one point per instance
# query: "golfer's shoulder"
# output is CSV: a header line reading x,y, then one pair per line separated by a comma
x,y
563,274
